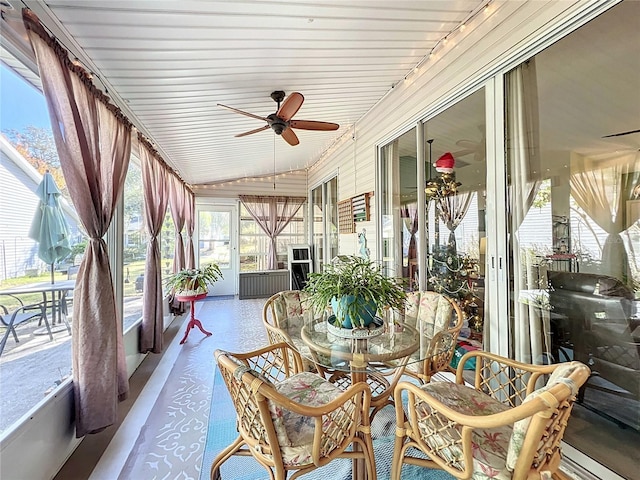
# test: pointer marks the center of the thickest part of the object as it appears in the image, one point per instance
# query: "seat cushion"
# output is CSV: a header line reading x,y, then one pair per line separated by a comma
x,y
489,446
295,431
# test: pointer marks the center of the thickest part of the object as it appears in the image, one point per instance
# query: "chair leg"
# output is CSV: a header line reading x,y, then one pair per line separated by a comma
x,y
3,342
396,463
223,456
47,325
371,460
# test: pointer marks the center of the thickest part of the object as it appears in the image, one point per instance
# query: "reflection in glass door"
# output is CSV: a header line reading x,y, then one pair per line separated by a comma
x,y
574,226
216,243
456,183
400,209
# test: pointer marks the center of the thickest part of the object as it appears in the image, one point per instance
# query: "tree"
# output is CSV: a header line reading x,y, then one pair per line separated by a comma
x,y
38,147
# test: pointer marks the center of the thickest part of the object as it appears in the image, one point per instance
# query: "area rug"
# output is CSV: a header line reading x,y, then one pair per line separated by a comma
x,y
222,431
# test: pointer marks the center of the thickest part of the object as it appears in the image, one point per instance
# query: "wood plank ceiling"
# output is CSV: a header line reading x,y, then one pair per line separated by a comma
x,y
168,65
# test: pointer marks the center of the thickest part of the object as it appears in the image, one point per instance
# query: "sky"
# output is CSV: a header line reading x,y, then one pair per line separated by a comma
x,y
21,104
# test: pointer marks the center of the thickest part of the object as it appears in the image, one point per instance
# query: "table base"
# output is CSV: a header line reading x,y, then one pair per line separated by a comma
x,y
193,321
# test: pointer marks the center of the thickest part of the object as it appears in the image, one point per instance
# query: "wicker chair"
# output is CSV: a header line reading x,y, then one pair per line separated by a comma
x,y
277,308
292,421
433,315
501,427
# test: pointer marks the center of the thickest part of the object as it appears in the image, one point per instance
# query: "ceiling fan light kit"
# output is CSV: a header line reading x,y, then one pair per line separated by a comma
x,y
281,121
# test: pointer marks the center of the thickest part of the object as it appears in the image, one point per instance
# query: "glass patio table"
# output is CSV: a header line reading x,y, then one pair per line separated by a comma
x,y
392,348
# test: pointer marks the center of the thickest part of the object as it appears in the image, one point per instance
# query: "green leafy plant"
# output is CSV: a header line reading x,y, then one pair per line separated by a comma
x,y
359,280
193,281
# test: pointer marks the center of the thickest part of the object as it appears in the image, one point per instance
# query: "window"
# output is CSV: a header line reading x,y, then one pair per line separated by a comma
x,y
254,243
324,225
28,150
134,245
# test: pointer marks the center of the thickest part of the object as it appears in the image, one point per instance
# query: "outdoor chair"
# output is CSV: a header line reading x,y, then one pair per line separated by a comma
x,y
507,425
23,313
292,421
434,315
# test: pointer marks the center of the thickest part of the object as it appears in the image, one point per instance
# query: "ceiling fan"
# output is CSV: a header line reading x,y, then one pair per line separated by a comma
x,y
281,122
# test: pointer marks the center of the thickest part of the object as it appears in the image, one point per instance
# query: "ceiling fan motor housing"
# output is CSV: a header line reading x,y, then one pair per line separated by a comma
x,y
277,124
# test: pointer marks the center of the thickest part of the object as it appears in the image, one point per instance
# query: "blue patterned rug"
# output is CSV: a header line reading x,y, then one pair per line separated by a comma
x,y
222,431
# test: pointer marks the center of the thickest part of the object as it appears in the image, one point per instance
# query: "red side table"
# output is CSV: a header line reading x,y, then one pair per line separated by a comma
x,y
193,322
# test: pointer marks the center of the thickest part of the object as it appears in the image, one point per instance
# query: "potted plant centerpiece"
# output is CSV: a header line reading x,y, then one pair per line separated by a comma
x,y
355,288
193,282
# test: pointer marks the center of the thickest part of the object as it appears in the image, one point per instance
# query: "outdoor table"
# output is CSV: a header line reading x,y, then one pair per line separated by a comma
x,y
360,358
58,293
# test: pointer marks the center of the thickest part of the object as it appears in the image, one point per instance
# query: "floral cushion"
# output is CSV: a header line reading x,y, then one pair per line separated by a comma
x,y
560,375
295,431
430,310
489,446
288,304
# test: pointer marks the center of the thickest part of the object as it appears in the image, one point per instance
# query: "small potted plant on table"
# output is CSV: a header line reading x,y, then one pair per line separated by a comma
x,y
191,284
355,288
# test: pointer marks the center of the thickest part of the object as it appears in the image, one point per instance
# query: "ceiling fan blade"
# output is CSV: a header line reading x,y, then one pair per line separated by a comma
x,y
290,137
468,144
290,106
621,133
462,153
243,113
312,125
266,127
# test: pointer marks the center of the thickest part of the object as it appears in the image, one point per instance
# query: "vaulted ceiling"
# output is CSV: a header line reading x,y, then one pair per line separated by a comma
x,y
168,64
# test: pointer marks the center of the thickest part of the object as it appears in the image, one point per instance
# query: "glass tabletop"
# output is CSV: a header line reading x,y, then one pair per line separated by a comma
x,y
389,349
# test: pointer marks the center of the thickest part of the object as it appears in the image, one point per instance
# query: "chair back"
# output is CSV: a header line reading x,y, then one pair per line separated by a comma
x,y
535,441
439,318
432,312
288,303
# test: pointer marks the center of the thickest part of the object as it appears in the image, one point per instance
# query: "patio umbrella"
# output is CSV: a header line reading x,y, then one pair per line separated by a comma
x,y
49,227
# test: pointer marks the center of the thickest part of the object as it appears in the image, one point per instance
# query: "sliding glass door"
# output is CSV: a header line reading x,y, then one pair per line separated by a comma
x,y
573,184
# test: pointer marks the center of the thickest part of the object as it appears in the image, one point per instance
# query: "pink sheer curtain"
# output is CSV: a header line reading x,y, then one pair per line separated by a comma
x,y
93,140
155,181
189,221
453,209
272,214
179,202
